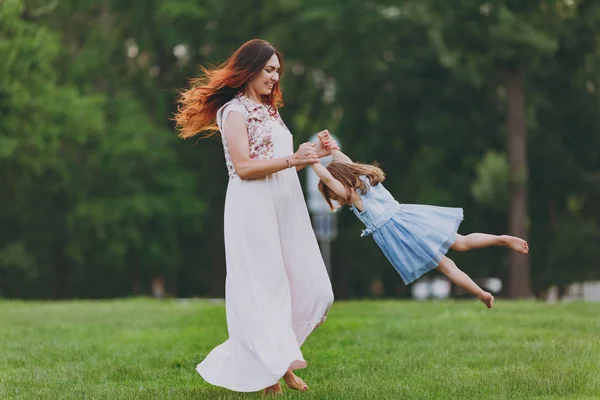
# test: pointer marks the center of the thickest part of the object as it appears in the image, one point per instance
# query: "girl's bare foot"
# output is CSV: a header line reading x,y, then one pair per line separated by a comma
x,y
294,382
274,390
487,299
515,243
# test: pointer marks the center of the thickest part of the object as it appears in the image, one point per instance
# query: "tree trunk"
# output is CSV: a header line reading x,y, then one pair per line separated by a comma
x,y
136,286
519,269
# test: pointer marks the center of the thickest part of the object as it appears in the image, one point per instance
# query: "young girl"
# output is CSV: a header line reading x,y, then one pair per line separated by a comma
x,y
414,238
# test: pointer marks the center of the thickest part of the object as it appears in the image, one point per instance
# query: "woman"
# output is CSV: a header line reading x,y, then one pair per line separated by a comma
x,y
277,288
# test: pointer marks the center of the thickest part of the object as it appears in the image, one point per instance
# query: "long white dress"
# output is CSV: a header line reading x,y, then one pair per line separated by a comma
x,y
277,288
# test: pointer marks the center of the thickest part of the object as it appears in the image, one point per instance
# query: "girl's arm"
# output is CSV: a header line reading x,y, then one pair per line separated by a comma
x,y
333,147
335,185
339,156
236,134
328,179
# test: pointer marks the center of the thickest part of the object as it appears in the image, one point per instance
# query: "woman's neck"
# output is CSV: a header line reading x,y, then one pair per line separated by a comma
x,y
252,95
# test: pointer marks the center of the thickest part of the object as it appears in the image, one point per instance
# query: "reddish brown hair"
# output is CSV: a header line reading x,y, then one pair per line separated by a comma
x,y
198,105
348,174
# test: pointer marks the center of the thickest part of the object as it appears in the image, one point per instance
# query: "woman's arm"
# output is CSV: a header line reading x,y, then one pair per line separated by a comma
x,y
236,134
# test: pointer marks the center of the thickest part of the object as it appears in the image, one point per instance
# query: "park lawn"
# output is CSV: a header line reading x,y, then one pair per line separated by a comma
x,y
147,349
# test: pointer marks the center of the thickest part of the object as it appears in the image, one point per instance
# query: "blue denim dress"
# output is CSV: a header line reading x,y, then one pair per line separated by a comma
x,y
413,237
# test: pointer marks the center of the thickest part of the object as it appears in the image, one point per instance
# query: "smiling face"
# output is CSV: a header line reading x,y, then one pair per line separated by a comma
x,y
264,82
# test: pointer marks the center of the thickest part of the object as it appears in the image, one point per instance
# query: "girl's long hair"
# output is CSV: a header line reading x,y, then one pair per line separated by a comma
x,y
348,174
198,104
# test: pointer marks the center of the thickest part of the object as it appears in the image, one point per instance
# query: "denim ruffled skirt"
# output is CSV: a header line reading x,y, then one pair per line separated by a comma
x,y
417,237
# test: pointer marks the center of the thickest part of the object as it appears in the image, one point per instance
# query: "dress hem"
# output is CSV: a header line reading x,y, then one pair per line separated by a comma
x,y
443,250
294,365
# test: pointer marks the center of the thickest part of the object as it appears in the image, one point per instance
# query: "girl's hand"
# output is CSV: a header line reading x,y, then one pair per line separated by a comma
x,y
323,135
328,142
321,149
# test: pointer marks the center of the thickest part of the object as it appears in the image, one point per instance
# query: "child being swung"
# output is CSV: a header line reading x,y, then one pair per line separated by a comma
x,y
414,238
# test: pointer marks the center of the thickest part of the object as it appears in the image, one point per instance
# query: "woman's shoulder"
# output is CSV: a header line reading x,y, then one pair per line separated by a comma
x,y
232,105
248,108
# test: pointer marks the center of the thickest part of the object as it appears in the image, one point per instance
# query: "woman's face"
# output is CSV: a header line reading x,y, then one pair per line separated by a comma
x,y
265,80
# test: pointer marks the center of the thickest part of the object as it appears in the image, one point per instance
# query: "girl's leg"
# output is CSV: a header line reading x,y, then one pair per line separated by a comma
x,y
460,279
479,240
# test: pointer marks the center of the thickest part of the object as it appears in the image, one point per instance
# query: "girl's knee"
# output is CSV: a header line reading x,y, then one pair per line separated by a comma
x,y
460,244
446,266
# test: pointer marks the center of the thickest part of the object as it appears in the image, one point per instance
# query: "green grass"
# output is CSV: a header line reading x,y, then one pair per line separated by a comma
x,y
146,349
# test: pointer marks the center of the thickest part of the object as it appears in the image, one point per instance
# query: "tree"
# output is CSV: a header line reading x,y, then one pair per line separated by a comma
x,y
91,185
502,42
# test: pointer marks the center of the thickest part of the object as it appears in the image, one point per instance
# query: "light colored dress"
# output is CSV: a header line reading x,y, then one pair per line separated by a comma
x,y
277,288
413,237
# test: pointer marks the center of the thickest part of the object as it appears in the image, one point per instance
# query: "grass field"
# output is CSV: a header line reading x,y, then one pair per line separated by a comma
x,y
146,349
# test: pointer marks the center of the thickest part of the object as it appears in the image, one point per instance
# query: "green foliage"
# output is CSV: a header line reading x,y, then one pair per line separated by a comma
x,y
97,195
89,182
491,186
575,246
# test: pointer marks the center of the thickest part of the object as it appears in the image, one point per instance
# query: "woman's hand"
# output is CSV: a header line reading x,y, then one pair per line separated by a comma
x,y
306,154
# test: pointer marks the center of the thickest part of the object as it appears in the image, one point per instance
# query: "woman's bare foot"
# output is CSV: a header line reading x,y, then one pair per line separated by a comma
x,y
274,390
487,299
515,243
294,382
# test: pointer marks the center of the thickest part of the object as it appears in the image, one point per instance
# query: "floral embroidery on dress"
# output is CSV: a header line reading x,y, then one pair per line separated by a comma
x,y
259,126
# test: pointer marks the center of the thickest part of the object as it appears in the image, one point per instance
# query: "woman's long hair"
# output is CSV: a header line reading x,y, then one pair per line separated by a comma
x,y
198,105
348,174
